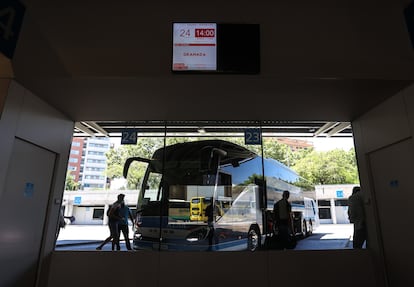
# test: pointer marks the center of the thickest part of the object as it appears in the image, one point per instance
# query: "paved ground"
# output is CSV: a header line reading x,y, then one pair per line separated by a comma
x,y
328,236
87,237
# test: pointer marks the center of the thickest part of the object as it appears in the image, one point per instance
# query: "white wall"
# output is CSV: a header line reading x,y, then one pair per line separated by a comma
x,y
80,203
339,214
27,119
385,152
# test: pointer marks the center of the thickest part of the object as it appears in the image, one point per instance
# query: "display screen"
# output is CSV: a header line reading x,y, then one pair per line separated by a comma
x,y
194,47
216,47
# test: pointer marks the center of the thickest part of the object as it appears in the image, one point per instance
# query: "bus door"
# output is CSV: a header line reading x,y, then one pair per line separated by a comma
x,y
150,206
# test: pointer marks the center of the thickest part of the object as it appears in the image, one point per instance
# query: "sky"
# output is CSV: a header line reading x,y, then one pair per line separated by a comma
x,y
325,144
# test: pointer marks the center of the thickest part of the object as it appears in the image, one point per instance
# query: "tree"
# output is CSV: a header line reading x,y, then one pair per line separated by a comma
x,y
278,151
331,167
117,156
70,183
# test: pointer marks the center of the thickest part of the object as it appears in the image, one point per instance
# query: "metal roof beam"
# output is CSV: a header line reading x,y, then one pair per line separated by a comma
x,y
324,128
340,127
96,127
84,129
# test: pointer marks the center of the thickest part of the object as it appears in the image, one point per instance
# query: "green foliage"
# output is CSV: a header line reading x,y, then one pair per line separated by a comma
x,y
70,183
116,158
331,167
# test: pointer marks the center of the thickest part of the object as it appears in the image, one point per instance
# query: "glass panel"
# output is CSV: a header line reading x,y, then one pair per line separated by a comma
x,y
145,173
325,213
208,194
214,163
341,202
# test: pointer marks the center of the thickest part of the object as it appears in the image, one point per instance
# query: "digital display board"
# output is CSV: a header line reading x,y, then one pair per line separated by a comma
x,y
216,48
194,47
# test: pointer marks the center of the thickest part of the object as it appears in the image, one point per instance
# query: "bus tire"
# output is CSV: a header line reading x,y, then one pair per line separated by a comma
x,y
253,238
304,228
310,228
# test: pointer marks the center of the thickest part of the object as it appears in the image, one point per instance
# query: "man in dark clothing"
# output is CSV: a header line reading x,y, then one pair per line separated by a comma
x,y
115,219
123,224
282,211
356,214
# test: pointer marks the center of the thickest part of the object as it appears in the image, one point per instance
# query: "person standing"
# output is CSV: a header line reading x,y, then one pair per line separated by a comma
x,y
123,224
356,215
282,211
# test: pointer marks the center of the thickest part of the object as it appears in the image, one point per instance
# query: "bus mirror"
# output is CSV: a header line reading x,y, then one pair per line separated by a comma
x,y
208,156
129,161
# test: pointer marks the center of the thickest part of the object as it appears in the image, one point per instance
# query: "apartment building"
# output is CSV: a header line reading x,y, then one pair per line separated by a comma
x,y
87,162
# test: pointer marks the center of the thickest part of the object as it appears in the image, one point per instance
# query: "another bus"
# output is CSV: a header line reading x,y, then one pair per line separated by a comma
x,y
198,207
214,169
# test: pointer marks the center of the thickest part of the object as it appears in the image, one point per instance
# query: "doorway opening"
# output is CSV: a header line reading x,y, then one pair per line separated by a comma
x,y
315,158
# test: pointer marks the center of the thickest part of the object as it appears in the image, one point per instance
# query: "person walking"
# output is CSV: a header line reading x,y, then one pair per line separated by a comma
x,y
282,211
123,224
115,219
356,215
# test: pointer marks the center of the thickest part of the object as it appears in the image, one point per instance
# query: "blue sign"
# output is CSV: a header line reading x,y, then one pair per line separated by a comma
x,y
29,189
11,18
77,200
394,183
409,21
339,193
129,137
253,136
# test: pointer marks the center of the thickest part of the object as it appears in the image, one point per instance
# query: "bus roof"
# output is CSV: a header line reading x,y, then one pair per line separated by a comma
x,y
194,151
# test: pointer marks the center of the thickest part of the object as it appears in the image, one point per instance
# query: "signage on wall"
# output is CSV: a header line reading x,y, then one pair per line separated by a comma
x,y
29,189
77,200
253,136
339,193
129,137
11,18
194,46
216,48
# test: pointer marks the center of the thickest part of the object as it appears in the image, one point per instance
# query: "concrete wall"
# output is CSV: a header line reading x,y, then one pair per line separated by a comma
x,y
385,153
80,203
31,185
186,269
332,192
25,117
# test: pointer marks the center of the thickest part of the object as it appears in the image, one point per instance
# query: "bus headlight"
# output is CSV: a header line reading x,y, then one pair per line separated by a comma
x,y
198,234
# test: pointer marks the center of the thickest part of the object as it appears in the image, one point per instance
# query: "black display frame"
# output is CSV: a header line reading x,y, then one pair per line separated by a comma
x,y
238,49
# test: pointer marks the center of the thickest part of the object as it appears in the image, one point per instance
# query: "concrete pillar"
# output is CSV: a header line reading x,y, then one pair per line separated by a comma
x,y
333,211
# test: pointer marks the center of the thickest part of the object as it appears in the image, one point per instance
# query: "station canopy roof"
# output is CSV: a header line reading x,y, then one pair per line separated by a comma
x,y
213,128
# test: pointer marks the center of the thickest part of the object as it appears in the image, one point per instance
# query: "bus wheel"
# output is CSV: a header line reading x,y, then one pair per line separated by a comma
x,y
304,229
253,239
310,228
